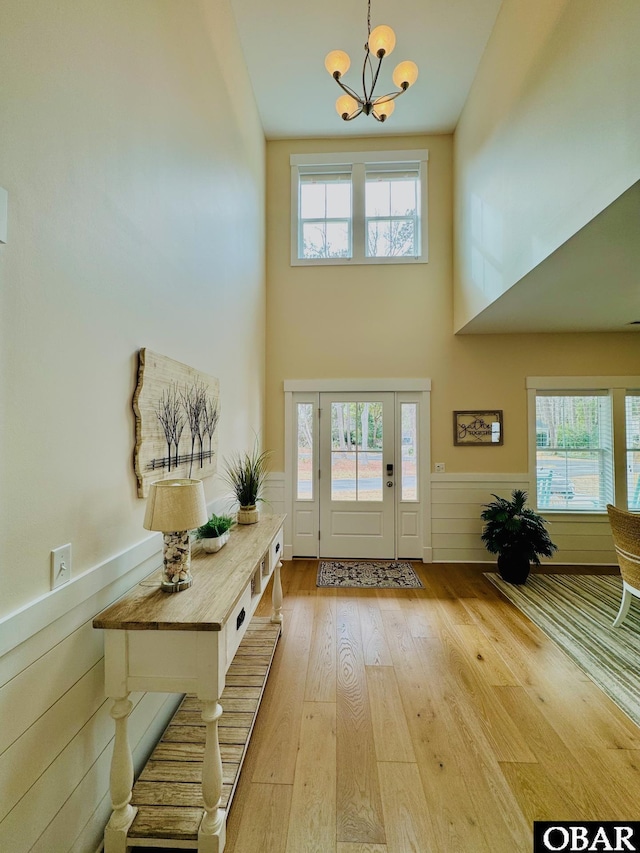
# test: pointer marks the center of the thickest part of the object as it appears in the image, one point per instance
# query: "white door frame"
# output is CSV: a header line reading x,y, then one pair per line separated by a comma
x,y
313,387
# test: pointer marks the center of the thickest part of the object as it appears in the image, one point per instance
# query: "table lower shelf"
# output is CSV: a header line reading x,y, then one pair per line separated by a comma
x,y
168,793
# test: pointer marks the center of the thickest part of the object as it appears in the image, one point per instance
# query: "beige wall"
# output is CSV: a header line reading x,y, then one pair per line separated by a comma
x,y
136,218
549,136
396,321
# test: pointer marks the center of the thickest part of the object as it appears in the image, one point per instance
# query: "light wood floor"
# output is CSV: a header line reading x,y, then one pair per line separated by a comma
x,y
425,720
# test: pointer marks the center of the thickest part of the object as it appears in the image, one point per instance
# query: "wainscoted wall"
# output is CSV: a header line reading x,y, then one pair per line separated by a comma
x,y
456,504
57,734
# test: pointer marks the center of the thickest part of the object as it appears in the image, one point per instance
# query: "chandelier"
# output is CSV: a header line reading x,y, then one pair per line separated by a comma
x,y
380,43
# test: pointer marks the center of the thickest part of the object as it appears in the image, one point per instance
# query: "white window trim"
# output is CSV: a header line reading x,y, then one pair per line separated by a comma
x,y
617,387
358,161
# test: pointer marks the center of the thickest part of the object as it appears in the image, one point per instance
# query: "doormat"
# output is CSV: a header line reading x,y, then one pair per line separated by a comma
x,y
368,574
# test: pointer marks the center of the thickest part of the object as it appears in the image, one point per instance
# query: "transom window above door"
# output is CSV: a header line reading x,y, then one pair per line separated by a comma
x,y
359,208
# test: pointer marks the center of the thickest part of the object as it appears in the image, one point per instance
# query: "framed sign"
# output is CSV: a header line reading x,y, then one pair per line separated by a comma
x,y
477,428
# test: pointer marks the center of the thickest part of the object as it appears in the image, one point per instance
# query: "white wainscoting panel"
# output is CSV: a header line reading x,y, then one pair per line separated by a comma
x,y
456,504
57,734
274,494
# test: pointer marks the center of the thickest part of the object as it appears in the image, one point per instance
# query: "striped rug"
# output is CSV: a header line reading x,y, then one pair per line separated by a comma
x,y
576,612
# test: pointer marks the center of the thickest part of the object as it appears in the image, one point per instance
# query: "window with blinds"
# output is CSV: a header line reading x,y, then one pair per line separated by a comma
x,y
392,210
359,208
325,212
574,450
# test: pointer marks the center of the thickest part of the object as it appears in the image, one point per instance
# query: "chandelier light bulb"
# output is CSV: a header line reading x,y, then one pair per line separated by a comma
x,y
383,111
405,74
337,63
382,40
346,105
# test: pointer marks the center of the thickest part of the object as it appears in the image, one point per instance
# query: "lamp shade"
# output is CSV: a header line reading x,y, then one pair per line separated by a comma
x,y
385,109
405,74
346,105
383,39
175,505
337,62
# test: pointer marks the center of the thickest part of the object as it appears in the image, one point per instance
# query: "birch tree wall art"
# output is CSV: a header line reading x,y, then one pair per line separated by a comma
x,y
177,410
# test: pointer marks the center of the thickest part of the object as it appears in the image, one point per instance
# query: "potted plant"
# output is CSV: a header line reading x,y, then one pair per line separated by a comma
x,y
516,534
215,533
246,473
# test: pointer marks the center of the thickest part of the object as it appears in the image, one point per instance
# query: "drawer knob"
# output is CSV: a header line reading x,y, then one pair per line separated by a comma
x,y
240,618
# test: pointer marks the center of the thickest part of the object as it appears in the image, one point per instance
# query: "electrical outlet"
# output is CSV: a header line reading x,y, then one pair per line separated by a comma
x,y
60,565
439,467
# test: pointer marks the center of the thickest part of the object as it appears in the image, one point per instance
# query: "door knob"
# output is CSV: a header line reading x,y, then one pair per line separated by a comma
x,y
389,484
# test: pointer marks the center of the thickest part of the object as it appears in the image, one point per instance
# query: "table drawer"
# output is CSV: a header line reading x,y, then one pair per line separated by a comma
x,y
275,551
237,624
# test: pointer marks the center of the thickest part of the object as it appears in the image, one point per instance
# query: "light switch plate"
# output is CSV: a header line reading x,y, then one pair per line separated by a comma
x,y
60,565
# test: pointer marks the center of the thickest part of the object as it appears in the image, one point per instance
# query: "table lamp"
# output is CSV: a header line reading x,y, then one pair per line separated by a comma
x,y
174,508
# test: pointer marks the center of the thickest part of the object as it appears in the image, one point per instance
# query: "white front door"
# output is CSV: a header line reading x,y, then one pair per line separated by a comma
x,y
358,475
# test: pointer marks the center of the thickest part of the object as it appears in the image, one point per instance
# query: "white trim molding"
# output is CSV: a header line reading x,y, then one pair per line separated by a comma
x,y
341,385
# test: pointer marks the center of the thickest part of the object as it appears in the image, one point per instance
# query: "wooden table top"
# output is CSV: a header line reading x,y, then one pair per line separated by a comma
x,y
218,582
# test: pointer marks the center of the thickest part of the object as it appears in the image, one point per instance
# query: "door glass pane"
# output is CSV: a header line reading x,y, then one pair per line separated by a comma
x,y
369,476
304,490
369,426
356,451
633,451
409,446
343,426
343,476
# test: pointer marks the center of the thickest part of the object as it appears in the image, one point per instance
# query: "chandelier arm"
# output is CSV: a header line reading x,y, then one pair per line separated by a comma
x,y
375,79
353,115
367,59
348,90
391,96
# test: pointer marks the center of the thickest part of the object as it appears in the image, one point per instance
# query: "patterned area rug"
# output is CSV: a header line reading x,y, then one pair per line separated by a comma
x,y
367,574
576,612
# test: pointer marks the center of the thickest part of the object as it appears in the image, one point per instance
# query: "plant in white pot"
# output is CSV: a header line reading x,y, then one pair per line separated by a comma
x,y
246,473
215,533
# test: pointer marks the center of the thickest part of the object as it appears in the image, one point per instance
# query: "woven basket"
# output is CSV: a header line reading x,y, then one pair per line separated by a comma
x,y
625,527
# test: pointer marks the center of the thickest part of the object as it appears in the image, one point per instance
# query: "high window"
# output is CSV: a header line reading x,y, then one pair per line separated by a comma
x,y
586,443
359,208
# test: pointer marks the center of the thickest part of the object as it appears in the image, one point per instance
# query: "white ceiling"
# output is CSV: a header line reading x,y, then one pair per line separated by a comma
x,y
285,43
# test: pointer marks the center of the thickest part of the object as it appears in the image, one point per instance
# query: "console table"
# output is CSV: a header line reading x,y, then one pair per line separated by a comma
x,y
186,643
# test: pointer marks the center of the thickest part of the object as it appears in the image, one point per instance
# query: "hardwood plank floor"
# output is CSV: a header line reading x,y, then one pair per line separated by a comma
x,y
424,721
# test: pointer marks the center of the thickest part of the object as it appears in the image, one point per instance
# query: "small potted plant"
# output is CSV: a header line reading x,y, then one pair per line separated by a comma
x,y
246,473
215,533
517,535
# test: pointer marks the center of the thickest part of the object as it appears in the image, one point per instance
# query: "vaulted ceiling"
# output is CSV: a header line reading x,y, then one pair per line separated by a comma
x,y
285,51
591,283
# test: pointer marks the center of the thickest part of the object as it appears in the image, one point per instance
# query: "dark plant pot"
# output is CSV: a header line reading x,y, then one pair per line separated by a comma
x,y
514,567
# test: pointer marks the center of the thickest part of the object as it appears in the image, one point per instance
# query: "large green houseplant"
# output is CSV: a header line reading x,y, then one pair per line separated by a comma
x,y
246,473
516,534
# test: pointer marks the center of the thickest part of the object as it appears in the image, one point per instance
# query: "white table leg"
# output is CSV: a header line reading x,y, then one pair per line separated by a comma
x,y
120,782
212,834
276,596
